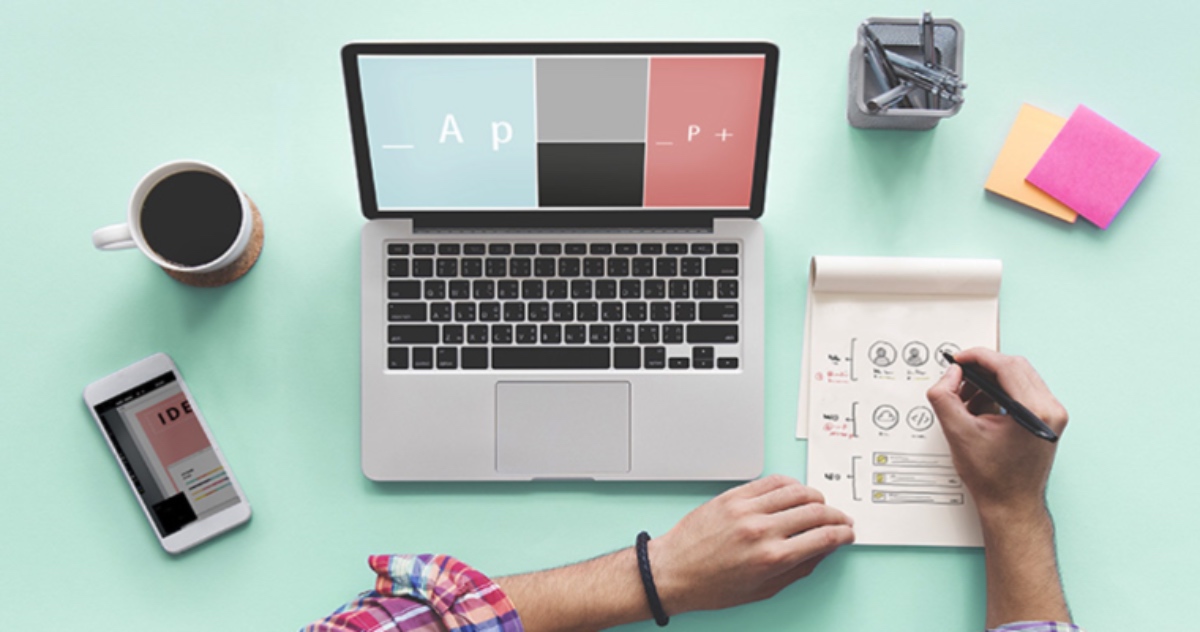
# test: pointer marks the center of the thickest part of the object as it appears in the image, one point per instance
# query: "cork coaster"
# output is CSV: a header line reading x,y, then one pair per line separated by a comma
x,y
233,271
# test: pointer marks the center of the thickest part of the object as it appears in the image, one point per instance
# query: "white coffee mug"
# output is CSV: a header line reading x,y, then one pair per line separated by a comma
x,y
231,264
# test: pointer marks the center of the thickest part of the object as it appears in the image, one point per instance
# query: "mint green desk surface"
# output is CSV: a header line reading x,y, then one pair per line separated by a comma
x,y
94,94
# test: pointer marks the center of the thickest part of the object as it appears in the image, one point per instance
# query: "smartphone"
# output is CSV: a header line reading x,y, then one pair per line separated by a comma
x,y
174,467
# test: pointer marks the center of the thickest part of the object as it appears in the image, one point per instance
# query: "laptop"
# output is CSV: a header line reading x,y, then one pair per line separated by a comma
x,y
562,267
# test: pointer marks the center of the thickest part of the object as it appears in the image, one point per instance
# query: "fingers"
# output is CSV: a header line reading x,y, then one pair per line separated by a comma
x,y
761,486
790,522
982,404
816,543
945,399
1021,381
790,495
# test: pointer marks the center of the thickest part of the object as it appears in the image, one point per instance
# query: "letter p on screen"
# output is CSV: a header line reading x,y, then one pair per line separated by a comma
x,y
501,134
692,131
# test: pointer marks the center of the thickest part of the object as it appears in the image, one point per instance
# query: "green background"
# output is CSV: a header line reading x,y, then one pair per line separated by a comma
x,y
95,94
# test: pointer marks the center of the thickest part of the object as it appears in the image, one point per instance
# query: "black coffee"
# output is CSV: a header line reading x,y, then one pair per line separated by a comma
x,y
191,218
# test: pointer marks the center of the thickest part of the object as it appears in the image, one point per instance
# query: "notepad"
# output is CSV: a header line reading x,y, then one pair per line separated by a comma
x,y
1093,166
1030,136
873,344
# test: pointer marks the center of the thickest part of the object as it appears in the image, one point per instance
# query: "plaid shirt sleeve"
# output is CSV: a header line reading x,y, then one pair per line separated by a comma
x,y
424,593
1037,626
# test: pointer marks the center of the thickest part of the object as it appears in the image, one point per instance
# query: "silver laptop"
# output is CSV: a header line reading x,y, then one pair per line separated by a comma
x,y
562,267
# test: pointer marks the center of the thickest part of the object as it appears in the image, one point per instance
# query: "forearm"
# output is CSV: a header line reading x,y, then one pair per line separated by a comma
x,y
592,595
1023,583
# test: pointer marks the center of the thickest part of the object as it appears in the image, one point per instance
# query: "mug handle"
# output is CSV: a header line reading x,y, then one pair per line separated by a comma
x,y
114,237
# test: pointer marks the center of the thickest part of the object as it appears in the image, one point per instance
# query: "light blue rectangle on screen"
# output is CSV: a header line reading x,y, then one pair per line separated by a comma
x,y
451,132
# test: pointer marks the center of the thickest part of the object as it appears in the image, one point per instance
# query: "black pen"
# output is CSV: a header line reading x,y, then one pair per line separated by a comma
x,y
1012,407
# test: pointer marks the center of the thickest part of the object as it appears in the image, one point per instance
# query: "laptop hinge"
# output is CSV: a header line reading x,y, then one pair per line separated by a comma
x,y
616,222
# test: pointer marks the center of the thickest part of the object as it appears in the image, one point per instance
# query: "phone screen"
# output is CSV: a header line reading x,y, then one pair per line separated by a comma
x,y
167,454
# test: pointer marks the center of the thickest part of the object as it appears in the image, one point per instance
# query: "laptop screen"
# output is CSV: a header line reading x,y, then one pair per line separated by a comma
x,y
559,130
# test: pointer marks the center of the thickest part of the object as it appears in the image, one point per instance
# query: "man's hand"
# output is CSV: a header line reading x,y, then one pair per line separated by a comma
x,y
1003,465
746,545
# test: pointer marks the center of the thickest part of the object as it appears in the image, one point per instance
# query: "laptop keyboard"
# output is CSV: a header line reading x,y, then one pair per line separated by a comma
x,y
594,305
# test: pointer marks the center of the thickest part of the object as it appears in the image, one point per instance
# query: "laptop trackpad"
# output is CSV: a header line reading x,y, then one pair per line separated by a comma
x,y
562,428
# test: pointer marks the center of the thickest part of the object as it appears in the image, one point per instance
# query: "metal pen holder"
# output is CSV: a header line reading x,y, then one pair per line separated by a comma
x,y
902,39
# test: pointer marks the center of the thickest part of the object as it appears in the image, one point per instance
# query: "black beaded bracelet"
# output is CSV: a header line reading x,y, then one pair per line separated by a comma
x,y
656,607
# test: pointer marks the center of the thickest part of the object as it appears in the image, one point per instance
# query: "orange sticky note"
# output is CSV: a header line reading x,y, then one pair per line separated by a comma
x,y
1028,139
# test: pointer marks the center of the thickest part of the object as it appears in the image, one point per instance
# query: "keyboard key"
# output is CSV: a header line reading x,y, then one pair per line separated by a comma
x,y
435,290
452,334
440,312
551,334
460,290
606,288
690,266
447,267
424,249
672,334
714,310
527,334
447,249
525,249
627,358
699,334
422,358
618,267
721,266
472,268
654,288
501,334
601,249
399,249
499,249
544,267
412,333
484,290
652,249
599,334
514,312
397,267
532,289
635,311
575,334
489,312
549,249
581,289
508,290
643,267
631,288
474,249
679,288
702,248
656,357
569,266
556,290
474,358
702,353
624,334
422,267
576,249
703,364
550,358
447,358
648,334
727,363
660,311
404,289
612,311
627,249
666,266
539,312
520,266
593,267
685,311
477,334
702,288
677,363
496,267
415,312
464,312
398,357
727,288
563,312
587,311
677,249
727,248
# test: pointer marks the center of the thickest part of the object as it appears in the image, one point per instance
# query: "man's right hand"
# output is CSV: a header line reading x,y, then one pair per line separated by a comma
x,y
1003,465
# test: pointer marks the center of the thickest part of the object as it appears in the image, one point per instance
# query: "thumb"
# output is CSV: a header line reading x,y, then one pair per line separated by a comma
x,y
945,399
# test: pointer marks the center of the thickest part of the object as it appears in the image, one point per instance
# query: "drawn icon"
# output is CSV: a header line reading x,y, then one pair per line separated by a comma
x,y
882,353
919,418
916,353
886,417
945,347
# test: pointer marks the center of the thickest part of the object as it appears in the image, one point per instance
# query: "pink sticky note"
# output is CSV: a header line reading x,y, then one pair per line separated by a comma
x,y
1092,166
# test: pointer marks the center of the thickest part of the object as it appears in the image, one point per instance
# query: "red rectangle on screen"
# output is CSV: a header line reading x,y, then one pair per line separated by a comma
x,y
702,131
173,429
